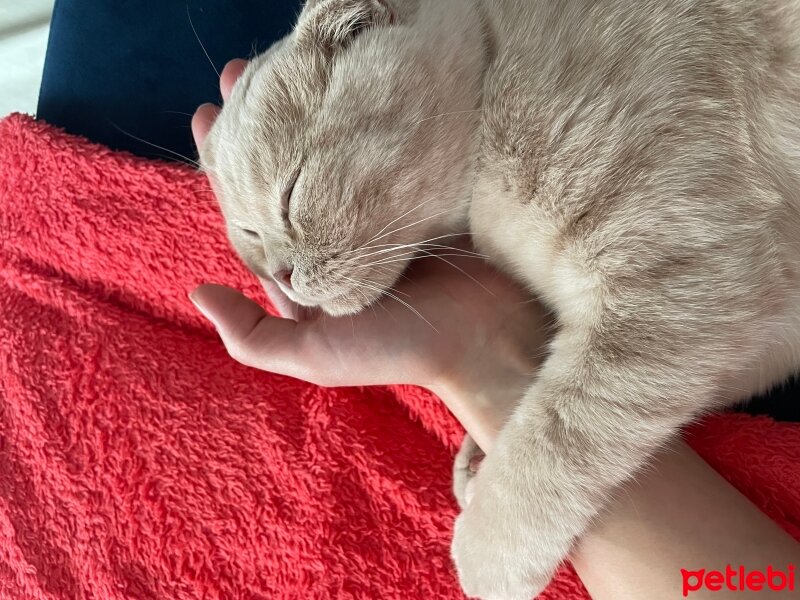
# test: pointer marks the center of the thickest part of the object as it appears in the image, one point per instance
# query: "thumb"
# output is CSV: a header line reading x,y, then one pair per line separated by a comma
x,y
250,335
285,307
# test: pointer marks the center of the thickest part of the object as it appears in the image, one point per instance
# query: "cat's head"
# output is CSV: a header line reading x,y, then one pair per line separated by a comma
x,y
355,132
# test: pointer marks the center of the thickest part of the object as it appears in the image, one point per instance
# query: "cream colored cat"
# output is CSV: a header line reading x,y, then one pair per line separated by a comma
x,y
636,164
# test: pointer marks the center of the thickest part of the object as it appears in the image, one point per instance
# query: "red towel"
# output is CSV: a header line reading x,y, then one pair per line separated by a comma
x,y
137,460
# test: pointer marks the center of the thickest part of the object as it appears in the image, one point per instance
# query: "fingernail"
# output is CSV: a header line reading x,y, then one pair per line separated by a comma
x,y
475,462
200,307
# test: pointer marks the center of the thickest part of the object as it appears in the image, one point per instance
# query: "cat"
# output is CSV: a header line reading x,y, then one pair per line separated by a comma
x,y
635,164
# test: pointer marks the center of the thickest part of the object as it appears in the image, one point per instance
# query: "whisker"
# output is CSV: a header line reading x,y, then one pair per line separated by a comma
x,y
394,248
179,112
253,51
390,259
390,223
386,271
156,146
440,257
454,251
394,244
393,259
372,304
396,298
375,283
428,218
460,250
211,62
408,250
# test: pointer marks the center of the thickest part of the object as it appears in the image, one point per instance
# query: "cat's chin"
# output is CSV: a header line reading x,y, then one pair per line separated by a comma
x,y
346,305
339,306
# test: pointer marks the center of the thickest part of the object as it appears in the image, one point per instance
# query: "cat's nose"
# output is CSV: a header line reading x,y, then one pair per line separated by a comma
x,y
284,276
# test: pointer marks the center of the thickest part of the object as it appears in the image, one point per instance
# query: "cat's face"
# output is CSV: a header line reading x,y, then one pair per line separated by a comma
x,y
335,145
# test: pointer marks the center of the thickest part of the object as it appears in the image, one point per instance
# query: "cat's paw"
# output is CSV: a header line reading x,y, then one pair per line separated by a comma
x,y
500,551
465,467
492,565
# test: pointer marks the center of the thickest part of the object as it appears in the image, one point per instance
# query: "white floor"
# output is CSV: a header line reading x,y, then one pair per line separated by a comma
x,y
24,25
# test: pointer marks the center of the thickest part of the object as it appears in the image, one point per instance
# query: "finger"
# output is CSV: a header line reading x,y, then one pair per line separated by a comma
x,y
202,120
285,307
233,69
250,335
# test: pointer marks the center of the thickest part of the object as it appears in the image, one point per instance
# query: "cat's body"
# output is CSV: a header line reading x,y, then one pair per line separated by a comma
x,y
565,206
637,165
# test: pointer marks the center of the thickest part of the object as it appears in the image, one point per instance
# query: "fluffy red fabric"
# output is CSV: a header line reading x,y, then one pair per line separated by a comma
x,y
137,460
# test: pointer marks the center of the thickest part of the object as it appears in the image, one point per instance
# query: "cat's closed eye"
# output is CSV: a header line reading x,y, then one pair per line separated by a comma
x,y
286,197
253,235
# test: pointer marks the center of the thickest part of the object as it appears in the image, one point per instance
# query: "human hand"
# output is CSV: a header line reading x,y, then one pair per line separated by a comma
x,y
455,326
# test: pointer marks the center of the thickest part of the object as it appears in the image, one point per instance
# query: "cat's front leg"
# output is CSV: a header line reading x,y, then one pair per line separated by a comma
x,y
589,422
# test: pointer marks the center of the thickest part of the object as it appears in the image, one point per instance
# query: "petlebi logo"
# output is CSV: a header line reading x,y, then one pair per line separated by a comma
x,y
739,579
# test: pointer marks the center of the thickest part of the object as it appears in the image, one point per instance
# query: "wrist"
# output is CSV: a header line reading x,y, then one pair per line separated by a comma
x,y
483,394
483,383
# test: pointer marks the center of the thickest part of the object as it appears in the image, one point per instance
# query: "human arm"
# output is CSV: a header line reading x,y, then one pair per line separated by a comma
x,y
678,514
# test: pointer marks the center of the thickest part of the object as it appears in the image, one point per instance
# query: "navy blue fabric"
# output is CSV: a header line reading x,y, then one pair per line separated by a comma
x,y
782,403
137,66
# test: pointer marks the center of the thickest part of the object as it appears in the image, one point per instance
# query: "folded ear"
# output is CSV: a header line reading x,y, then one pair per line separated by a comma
x,y
332,24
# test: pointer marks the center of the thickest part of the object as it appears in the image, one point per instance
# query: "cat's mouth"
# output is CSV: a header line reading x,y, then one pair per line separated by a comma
x,y
349,299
